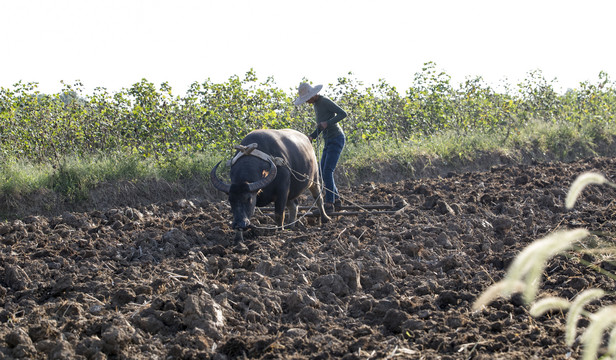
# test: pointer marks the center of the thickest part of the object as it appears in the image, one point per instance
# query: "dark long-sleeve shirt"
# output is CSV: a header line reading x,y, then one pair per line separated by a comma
x,y
329,112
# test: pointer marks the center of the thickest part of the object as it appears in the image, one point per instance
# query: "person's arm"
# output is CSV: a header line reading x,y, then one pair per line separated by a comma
x,y
337,110
315,133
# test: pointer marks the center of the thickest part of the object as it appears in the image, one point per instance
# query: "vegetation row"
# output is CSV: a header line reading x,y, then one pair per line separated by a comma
x,y
150,123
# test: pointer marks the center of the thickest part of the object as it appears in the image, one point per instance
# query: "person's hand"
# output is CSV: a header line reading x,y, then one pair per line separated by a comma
x,y
323,125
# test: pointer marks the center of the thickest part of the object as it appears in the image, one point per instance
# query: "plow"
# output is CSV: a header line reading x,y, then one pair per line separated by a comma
x,y
348,210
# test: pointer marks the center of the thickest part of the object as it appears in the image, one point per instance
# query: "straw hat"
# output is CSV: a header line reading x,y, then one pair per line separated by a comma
x,y
305,92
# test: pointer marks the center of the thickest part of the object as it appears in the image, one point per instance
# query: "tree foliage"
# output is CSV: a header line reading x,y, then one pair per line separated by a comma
x,y
152,122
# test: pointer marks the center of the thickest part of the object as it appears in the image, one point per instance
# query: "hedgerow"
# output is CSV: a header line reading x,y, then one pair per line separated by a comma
x,y
151,121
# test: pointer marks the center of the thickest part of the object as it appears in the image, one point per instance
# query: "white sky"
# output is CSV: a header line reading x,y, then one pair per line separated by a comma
x,y
115,43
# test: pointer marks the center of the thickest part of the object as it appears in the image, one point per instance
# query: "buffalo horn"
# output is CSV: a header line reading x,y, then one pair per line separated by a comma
x,y
260,184
219,184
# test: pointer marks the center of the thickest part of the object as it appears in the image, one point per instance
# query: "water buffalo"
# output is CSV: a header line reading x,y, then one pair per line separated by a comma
x,y
257,181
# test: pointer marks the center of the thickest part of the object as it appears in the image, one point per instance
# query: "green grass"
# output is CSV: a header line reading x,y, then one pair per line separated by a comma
x,y
20,178
559,141
75,177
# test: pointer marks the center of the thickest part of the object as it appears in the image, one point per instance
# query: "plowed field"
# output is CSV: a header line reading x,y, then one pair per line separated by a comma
x,y
167,281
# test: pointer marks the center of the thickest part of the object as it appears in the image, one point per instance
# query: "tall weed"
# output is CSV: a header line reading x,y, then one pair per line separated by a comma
x,y
524,275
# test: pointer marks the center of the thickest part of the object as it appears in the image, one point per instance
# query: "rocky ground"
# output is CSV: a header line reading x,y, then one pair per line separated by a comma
x,y
166,280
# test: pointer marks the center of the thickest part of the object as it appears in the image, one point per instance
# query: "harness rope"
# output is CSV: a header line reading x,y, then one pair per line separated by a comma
x,y
251,150
278,161
323,188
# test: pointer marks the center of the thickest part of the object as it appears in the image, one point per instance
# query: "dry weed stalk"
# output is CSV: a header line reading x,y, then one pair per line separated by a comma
x,y
576,309
524,275
581,182
503,288
549,303
592,337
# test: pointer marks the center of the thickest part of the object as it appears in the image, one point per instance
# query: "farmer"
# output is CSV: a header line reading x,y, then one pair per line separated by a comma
x,y
328,114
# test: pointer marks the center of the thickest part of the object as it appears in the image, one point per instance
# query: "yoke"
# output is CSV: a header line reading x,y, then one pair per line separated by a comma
x,y
252,150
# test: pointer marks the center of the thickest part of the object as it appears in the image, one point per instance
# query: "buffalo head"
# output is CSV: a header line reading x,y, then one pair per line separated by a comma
x,y
243,195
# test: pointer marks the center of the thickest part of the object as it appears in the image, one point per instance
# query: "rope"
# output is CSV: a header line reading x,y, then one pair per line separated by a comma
x,y
251,150
318,142
322,189
296,175
276,227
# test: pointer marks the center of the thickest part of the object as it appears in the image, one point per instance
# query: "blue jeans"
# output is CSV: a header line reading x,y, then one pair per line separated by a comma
x,y
329,160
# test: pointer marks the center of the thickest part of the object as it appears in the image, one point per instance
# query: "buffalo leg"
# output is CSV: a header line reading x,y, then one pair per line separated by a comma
x,y
239,236
279,219
315,190
292,205
279,207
